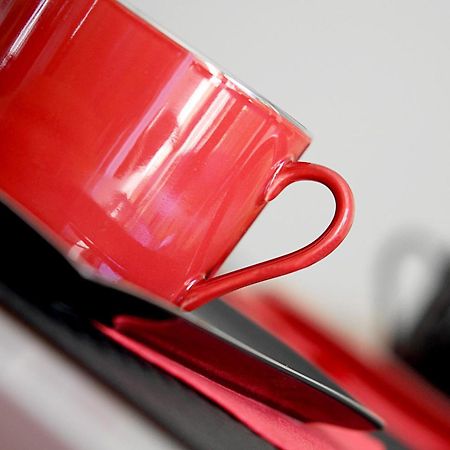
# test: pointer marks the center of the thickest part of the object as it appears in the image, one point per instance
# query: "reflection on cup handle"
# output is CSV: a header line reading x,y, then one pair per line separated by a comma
x,y
204,290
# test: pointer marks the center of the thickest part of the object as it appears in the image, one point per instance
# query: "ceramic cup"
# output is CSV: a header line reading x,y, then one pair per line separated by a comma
x,y
142,162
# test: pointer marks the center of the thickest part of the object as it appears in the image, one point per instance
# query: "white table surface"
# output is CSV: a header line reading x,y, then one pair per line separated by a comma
x,y
49,403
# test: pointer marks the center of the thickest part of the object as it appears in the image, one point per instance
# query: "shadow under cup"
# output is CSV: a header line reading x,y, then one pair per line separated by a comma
x,y
137,159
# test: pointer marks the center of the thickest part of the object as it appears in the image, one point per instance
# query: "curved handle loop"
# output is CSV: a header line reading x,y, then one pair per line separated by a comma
x,y
339,227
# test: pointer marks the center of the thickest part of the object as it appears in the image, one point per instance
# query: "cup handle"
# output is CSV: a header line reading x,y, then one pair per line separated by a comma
x,y
339,227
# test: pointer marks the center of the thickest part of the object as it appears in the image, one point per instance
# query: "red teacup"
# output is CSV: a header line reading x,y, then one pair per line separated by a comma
x,y
138,159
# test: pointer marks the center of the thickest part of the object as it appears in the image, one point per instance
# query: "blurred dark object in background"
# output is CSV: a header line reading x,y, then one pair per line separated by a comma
x,y
426,348
416,304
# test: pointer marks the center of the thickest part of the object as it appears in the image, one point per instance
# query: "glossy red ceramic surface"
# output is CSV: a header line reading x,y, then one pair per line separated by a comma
x,y
137,159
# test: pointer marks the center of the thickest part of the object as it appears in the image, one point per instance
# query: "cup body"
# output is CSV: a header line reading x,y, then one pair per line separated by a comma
x,y
135,157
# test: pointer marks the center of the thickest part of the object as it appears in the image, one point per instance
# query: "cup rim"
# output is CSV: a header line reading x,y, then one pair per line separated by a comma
x,y
213,66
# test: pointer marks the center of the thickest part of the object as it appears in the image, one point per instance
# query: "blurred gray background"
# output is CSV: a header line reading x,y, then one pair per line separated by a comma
x,y
370,81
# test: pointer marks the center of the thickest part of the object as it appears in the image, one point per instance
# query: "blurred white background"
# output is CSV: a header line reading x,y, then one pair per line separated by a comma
x,y
370,81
